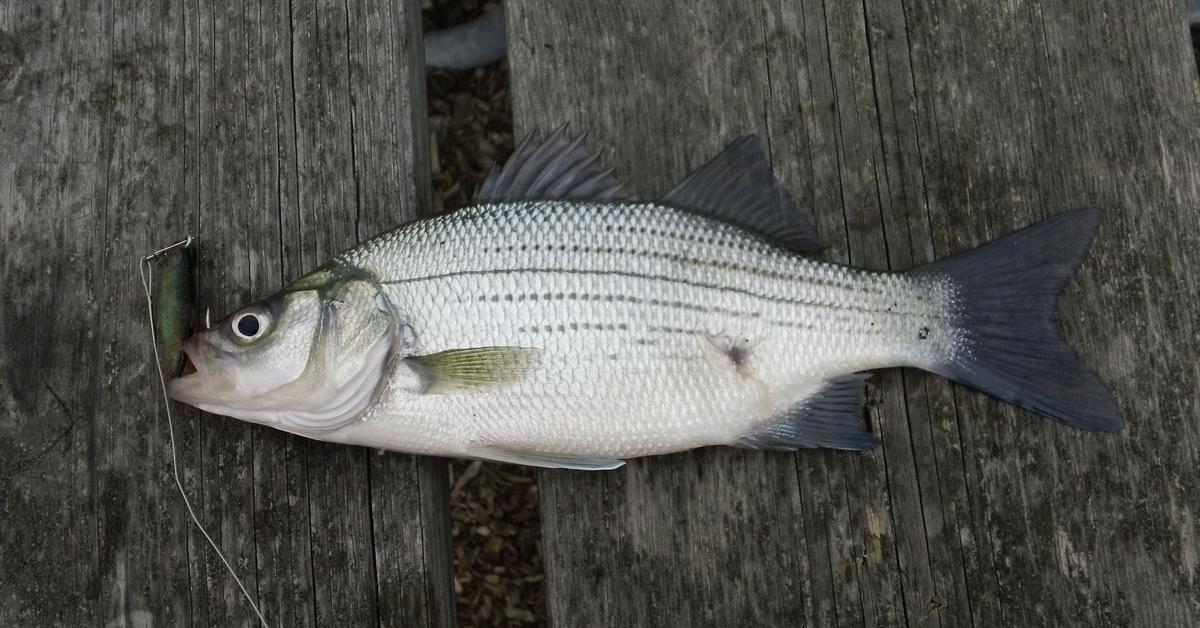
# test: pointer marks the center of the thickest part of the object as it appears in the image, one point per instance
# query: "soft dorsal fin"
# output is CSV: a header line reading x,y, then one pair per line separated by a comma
x,y
738,187
556,167
833,418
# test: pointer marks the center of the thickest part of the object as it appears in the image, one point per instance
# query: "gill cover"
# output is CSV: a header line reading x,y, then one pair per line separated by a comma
x,y
308,360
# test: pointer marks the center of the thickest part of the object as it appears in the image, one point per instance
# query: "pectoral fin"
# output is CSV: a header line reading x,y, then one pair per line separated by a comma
x,y
545,460
475,368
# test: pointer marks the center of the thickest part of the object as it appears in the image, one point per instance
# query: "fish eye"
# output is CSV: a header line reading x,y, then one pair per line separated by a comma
x,y
250,324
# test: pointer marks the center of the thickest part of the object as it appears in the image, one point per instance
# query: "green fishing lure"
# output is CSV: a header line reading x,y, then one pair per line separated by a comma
x,y
174,303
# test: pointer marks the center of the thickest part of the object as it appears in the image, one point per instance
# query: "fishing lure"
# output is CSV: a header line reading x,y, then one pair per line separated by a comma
x,y
174,303
170,305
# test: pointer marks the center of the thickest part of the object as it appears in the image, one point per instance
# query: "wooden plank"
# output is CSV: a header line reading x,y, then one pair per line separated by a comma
x,y
278,134
52,186
908,131
409,497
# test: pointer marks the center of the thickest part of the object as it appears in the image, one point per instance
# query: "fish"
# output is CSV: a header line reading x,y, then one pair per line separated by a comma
x,y
561,321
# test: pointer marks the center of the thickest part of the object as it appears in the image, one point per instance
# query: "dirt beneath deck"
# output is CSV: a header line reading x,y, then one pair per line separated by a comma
x,y
498,576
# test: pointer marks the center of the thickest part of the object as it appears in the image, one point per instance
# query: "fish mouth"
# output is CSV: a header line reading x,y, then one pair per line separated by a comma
x,y
192,386
203,383
188,367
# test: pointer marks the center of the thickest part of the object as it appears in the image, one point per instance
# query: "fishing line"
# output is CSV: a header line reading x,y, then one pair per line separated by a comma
x,y
147,283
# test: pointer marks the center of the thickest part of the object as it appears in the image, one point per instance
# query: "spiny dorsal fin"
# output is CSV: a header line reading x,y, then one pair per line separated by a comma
x,y
556,167
737,187
475,368
833,418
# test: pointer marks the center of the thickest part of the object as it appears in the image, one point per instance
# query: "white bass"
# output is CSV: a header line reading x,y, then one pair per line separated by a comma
x,y
561,322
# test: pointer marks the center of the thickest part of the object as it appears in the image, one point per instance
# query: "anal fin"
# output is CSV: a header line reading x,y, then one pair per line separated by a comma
x,y
545,460
831,418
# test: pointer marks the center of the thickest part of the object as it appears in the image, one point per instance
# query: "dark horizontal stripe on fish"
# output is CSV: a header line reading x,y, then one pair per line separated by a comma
x,y
576,326
760,271
621,273
622,298
684,231
586,326
609,298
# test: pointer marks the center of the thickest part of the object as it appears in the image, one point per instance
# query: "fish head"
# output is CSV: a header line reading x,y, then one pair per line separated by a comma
x,y
309,359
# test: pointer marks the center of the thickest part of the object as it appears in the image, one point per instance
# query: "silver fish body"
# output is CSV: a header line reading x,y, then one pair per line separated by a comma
x,y
561,322
658,330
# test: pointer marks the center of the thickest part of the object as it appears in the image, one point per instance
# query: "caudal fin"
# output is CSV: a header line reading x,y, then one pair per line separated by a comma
x,y
1008,345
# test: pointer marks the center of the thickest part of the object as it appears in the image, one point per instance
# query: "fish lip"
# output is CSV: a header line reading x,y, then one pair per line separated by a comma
x,y
199,352
180,389
188,387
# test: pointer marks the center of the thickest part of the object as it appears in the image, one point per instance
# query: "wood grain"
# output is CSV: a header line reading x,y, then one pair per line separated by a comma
x,y
907,131
278,133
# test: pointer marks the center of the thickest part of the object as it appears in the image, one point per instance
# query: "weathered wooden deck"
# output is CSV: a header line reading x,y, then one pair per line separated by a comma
x,y
278,133
281,132
908,131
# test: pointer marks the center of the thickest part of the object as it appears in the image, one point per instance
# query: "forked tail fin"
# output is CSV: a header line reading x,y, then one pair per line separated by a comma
x,y
1003,308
